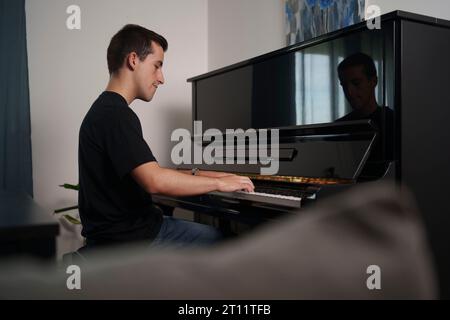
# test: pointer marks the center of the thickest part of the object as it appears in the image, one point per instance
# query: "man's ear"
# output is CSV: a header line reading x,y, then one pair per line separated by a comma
x,y
132,61
374,81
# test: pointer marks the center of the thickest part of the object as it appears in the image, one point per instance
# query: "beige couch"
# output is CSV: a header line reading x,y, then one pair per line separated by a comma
x,y
319,253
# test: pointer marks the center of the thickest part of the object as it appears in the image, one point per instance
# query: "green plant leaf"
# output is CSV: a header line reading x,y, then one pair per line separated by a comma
x,y
72,219
65,209
71,186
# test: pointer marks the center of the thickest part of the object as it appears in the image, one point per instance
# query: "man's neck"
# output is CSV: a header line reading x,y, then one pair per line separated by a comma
x,y
371,109
122,87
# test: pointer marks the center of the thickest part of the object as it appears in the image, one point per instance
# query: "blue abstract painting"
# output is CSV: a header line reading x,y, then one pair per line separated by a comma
x,y
307,19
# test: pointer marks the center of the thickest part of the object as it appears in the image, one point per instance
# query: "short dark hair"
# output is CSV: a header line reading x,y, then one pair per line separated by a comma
x,y
132,38
359,59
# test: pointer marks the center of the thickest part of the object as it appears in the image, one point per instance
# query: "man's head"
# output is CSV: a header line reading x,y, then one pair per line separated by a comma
x,y
138,54
358,77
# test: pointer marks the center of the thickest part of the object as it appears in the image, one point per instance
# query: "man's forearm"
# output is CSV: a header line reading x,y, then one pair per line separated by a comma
x,y
213,174
204,173
154,179
175,183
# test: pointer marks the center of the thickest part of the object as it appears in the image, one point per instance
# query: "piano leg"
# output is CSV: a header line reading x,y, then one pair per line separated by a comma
x,y
229,228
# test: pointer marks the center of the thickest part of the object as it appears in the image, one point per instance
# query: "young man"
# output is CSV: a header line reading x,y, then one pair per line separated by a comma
x,y
117,169
358,78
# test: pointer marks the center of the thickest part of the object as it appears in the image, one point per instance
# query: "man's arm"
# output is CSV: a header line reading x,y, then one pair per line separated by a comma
x,y
154,179
204,173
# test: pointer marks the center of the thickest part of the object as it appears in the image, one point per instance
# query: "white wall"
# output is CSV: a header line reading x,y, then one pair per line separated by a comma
x,y
434,8
242,29
68,70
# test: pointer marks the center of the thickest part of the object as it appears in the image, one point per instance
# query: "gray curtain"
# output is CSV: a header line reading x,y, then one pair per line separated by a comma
x,y
15,131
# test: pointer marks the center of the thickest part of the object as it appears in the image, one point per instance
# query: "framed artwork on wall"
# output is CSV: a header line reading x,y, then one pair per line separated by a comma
x,y
307,19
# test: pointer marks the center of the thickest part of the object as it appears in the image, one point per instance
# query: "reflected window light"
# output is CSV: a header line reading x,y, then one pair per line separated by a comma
x,y
313,96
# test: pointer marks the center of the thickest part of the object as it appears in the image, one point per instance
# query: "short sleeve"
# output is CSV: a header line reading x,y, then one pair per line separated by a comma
x,y
125,144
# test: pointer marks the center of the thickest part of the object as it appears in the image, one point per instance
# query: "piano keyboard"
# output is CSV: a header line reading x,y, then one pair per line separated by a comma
x,y
260,197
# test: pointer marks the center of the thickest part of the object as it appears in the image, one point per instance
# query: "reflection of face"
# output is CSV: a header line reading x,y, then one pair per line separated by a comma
x,y
358,89
149,73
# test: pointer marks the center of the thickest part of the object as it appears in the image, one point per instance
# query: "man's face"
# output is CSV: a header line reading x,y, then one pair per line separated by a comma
x,y
149,73
358,88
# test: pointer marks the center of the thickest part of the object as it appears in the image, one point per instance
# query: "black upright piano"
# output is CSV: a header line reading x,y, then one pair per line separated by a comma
x,y
297,91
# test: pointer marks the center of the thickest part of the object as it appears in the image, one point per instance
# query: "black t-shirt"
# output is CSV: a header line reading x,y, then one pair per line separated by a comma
x,y
113,207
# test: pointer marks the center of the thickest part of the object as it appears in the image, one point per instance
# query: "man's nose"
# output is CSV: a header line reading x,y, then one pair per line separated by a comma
x,y
161,78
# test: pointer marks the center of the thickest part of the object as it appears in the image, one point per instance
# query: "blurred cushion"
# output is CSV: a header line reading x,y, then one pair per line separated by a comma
x,y
322,252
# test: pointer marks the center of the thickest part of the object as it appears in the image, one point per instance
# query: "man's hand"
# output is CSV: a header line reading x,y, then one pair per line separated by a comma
x,y
232,183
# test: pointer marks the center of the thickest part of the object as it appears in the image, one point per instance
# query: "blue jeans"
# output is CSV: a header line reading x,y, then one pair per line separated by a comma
x,y
178,233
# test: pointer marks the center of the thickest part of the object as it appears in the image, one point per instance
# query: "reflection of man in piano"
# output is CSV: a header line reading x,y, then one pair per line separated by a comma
x,y
358,78
117,169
